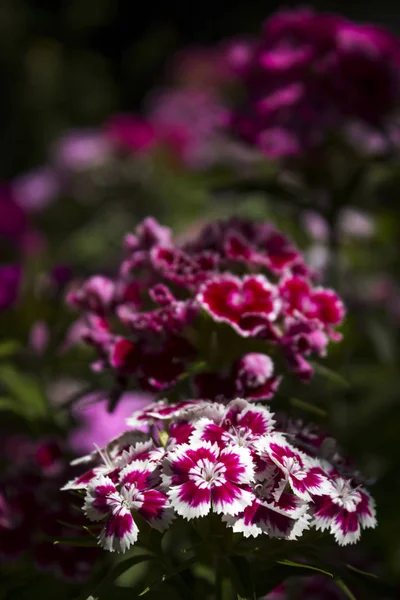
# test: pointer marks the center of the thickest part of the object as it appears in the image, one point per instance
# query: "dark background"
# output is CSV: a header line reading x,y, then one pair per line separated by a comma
x,y
72,63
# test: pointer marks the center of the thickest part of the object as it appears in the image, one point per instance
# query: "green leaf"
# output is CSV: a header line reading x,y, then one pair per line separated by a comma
x,y
25,390
328,373
114,573
360,572
341,584
290,563
78,542
241,578
306,406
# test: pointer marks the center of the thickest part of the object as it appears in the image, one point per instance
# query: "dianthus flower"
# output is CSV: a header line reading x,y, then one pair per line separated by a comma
x,y
200,457
190,313
310,73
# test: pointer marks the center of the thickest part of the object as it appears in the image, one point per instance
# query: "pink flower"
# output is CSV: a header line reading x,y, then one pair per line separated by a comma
x,y
80,149
241,424
130,133
36,189
254,377
201,478
147,323
229,299
297,469
345,510
114,502
110,459
187,121
308,74
285,517
96,295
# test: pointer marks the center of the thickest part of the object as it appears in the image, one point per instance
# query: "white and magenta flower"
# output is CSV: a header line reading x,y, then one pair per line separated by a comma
x,y
112,458
202,477
229,299
345,510
241,424
114,502
285,518
299,472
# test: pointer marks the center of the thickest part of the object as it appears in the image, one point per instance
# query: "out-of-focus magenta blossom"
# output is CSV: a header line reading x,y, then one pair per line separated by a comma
x,y
79,150
10,279
13,220
96,425
188,122
308,74
35,190
165,293
130,133
39,337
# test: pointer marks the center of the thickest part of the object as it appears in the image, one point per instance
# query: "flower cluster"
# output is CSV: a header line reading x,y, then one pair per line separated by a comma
x,y
184,125
310,73
224,311
202,457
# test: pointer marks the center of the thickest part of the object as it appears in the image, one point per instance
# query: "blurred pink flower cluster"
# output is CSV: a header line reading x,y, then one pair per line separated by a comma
x,y
309,74
237,298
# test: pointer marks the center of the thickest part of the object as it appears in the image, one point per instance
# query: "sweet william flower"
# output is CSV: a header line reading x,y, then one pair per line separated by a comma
x,y
254,377
104,500
240,424
304,478
308,74
200,457
285,517
230,299
95,295
201,478
147,322
345,511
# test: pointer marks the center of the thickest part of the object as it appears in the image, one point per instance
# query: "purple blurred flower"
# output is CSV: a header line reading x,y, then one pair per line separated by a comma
x,y
10,279
36,189
39,337
310,73
97,425
80,149
130,133
13,221
187,122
